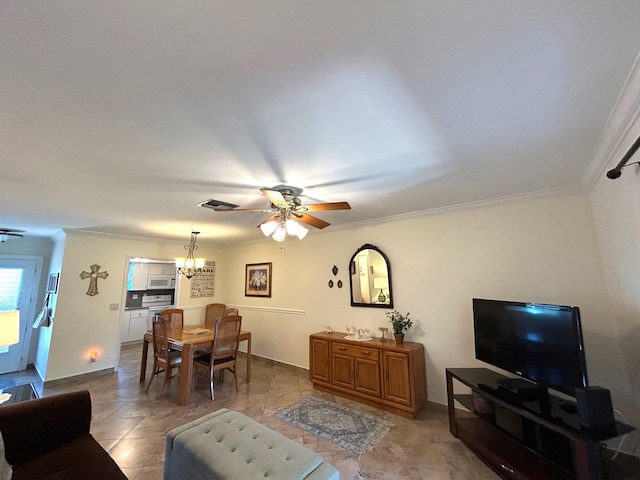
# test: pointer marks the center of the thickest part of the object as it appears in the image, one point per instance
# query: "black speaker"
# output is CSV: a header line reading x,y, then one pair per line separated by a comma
x,y
595,409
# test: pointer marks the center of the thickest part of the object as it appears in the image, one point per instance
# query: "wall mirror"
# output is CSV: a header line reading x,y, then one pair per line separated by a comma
x,y
370,277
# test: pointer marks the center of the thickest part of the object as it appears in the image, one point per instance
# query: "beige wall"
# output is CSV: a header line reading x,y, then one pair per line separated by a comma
x,y
616,204
83,323
544,251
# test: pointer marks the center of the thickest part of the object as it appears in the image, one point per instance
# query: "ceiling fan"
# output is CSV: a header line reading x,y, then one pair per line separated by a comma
x,y
286,209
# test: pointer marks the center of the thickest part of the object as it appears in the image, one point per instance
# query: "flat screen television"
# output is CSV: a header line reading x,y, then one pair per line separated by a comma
x,y
542,343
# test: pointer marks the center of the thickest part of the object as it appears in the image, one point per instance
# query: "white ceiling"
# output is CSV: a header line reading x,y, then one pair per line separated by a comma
x,y
119,117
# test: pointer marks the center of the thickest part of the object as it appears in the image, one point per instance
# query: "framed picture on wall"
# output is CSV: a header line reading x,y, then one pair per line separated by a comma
x,y
257,280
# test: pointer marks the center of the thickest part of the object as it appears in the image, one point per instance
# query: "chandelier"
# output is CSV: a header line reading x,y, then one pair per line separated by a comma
x,y
283,225
190,266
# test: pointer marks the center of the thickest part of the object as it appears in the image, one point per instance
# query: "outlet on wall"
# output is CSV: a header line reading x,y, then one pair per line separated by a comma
x,y
114,306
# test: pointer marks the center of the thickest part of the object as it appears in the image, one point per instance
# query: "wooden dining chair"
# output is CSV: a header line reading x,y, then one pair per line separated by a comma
x,y
213,312
174,317
164,359
231,311
224,351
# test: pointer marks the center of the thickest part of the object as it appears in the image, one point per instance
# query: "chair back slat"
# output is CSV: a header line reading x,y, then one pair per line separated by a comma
x,y
231,311
173,317
162,359
213,312
160,340
226,338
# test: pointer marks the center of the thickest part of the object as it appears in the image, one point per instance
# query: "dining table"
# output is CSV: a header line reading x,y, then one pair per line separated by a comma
x,y
189,339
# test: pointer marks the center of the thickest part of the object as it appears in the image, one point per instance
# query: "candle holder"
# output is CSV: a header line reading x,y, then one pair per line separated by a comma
x,y
383,333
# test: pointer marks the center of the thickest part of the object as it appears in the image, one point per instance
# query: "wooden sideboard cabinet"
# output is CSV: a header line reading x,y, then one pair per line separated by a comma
x,y
376,372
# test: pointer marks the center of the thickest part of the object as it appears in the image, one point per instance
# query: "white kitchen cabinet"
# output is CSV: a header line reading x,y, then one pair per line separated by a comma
x,y
162,269
124,326
134,325
138,324
138,280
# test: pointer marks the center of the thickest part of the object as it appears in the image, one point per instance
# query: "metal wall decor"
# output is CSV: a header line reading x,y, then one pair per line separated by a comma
x,y
334,270
94,275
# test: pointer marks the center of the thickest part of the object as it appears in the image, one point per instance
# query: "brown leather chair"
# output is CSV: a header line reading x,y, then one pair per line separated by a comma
x,y
164,359
224,351
213,312
49,438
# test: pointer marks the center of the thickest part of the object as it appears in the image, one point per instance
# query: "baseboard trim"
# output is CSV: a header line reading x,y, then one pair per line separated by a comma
x,y
82,376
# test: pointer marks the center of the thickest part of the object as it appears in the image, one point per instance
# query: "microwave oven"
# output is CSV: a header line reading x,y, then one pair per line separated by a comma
x,y
161,281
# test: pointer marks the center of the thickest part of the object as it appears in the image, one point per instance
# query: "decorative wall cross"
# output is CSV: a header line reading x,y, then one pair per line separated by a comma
x,y
94,274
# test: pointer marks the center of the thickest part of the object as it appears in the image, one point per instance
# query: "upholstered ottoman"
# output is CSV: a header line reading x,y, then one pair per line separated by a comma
x,y
229,445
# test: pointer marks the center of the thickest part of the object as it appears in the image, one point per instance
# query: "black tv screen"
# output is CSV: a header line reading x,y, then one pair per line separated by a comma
x,y
542,343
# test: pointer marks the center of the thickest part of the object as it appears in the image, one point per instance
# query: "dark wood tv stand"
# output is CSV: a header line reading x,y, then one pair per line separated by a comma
x,y
525,438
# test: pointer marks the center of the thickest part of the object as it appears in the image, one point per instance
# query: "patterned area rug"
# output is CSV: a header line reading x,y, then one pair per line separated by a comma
x,y
351,429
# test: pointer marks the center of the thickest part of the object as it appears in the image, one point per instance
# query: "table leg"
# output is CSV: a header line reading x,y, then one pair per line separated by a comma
x,y
249,358
143,360
186,375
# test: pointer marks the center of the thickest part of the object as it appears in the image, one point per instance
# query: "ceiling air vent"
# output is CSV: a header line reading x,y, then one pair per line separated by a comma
x,y
217,205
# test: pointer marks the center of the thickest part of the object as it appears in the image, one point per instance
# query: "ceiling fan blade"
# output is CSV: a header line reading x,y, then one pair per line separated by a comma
x,y
264,210
323,207
272,218
310,220
275,197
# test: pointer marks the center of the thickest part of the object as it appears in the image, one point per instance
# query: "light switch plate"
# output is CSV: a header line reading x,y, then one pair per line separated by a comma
x,y
114,306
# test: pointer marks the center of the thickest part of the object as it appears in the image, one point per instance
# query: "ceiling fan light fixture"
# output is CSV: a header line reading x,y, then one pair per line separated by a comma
x,y
295,228
287,214
280,234
291,226
302,232
269,227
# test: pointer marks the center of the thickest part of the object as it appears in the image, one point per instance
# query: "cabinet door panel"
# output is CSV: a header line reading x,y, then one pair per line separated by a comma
x,y
368,377
137,327
342,371
320,360
124,326
140,274
397,381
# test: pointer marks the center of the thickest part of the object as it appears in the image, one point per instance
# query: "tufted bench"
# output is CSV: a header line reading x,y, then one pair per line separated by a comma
x,y
228,445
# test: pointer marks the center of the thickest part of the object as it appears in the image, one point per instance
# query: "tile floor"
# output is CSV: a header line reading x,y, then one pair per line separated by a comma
x,y
132,424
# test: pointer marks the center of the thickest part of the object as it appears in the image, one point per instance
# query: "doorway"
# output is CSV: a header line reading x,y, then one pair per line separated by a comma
x,y
18,289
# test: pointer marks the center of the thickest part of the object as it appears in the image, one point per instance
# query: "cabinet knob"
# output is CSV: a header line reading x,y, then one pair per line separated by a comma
x,y
342,349
365,353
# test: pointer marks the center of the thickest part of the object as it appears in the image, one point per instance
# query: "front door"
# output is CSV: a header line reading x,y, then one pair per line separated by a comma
x,y
17,276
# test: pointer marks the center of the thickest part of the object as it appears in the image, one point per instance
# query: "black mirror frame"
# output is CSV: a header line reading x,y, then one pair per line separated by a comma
x,y
368,246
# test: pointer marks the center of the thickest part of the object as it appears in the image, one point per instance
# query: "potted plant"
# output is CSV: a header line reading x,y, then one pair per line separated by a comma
x,y
400,323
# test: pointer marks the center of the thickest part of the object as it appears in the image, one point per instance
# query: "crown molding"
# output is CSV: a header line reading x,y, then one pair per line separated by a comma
x,y
461,207
620,131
